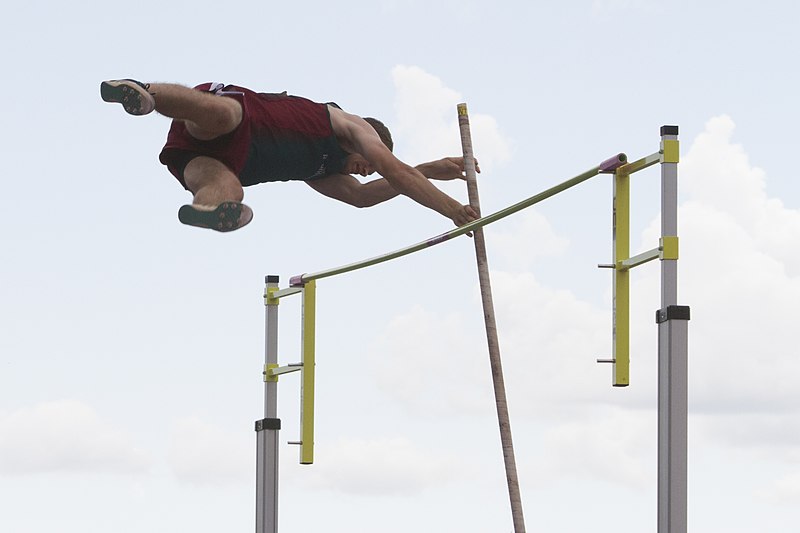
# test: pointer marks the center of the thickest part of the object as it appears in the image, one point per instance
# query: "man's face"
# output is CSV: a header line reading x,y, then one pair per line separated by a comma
x,y
357,164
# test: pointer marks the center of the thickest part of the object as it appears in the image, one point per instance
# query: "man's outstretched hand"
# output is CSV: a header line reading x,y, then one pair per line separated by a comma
x,y
464,214
447,168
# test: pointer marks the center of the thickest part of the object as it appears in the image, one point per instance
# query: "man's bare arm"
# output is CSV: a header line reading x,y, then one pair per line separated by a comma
x,y
350,190
403,178
447,168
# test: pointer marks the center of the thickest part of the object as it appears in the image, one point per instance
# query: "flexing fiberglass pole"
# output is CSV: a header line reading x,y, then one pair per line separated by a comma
x,y
491,330
606,166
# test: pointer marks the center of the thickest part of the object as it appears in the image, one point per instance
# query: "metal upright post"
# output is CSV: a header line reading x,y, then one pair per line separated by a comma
x,y
267,429
673,323
621,225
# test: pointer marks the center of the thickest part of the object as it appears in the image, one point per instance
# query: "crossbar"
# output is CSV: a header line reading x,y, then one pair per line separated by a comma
x,y
606,166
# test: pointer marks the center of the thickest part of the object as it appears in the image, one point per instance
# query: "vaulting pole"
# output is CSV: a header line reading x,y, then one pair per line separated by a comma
x,y
491,329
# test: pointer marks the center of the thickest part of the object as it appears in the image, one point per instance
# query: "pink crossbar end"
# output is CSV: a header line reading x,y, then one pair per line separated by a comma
x,y
296,281
436,240
613,163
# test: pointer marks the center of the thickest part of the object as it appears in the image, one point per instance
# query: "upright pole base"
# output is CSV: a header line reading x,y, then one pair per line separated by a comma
x,y
267,475
673,408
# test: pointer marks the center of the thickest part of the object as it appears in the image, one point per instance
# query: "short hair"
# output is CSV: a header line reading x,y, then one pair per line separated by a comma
x,y
382,131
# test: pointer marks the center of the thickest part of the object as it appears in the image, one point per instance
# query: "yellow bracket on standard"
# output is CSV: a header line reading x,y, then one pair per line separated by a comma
x,y
268,373
668,247
670,151
269,296
307,384
621,283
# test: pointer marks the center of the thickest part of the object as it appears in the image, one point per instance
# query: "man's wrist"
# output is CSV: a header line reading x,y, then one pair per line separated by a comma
x,y
424,169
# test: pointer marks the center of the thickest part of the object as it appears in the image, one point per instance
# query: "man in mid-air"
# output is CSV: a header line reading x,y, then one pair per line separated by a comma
x,y
225,137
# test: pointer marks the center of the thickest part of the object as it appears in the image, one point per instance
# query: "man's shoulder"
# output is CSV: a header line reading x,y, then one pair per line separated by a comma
x,y
344,123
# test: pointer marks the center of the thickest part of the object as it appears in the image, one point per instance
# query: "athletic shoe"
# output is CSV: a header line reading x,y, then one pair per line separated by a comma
x,y
227,216
133,95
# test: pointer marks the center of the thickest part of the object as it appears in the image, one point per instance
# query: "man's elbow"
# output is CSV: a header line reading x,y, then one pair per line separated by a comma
x,y
356,200
363,202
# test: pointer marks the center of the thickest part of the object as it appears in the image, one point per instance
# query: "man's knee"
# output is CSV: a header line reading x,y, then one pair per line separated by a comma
x,y
220,115
212,181
228,116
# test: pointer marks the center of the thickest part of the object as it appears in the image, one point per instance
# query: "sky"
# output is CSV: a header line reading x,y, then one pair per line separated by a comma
x,y
131,347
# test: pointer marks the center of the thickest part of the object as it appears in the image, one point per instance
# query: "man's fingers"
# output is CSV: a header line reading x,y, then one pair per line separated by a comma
x,y
465,216
463,164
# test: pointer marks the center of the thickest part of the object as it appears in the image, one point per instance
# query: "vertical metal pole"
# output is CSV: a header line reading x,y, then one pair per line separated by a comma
x,y
673,386
621,284
268,428
308,374
491,330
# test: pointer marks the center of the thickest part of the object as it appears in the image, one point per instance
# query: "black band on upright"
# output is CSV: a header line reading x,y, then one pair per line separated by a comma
x,y
669,130
272,279
268,423
673,312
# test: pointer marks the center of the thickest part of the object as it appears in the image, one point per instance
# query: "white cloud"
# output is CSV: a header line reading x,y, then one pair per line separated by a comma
x,y
615,7
739,273
549,341
201,453
65,436
783,491
532,227
773,435
613,445
380,467
427,122
720,179
419,348
550,329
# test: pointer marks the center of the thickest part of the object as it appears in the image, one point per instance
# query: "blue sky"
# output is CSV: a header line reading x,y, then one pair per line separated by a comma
x,y
131,346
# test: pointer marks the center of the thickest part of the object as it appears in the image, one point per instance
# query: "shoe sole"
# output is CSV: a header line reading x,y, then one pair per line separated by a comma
x,y
134,99
228,216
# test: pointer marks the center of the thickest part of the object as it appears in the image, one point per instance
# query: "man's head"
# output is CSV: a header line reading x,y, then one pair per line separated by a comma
x,y
358,164
383,132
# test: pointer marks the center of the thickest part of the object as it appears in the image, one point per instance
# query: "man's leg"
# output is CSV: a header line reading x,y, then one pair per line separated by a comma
x,y
211,182
216,189
217,196
206,115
